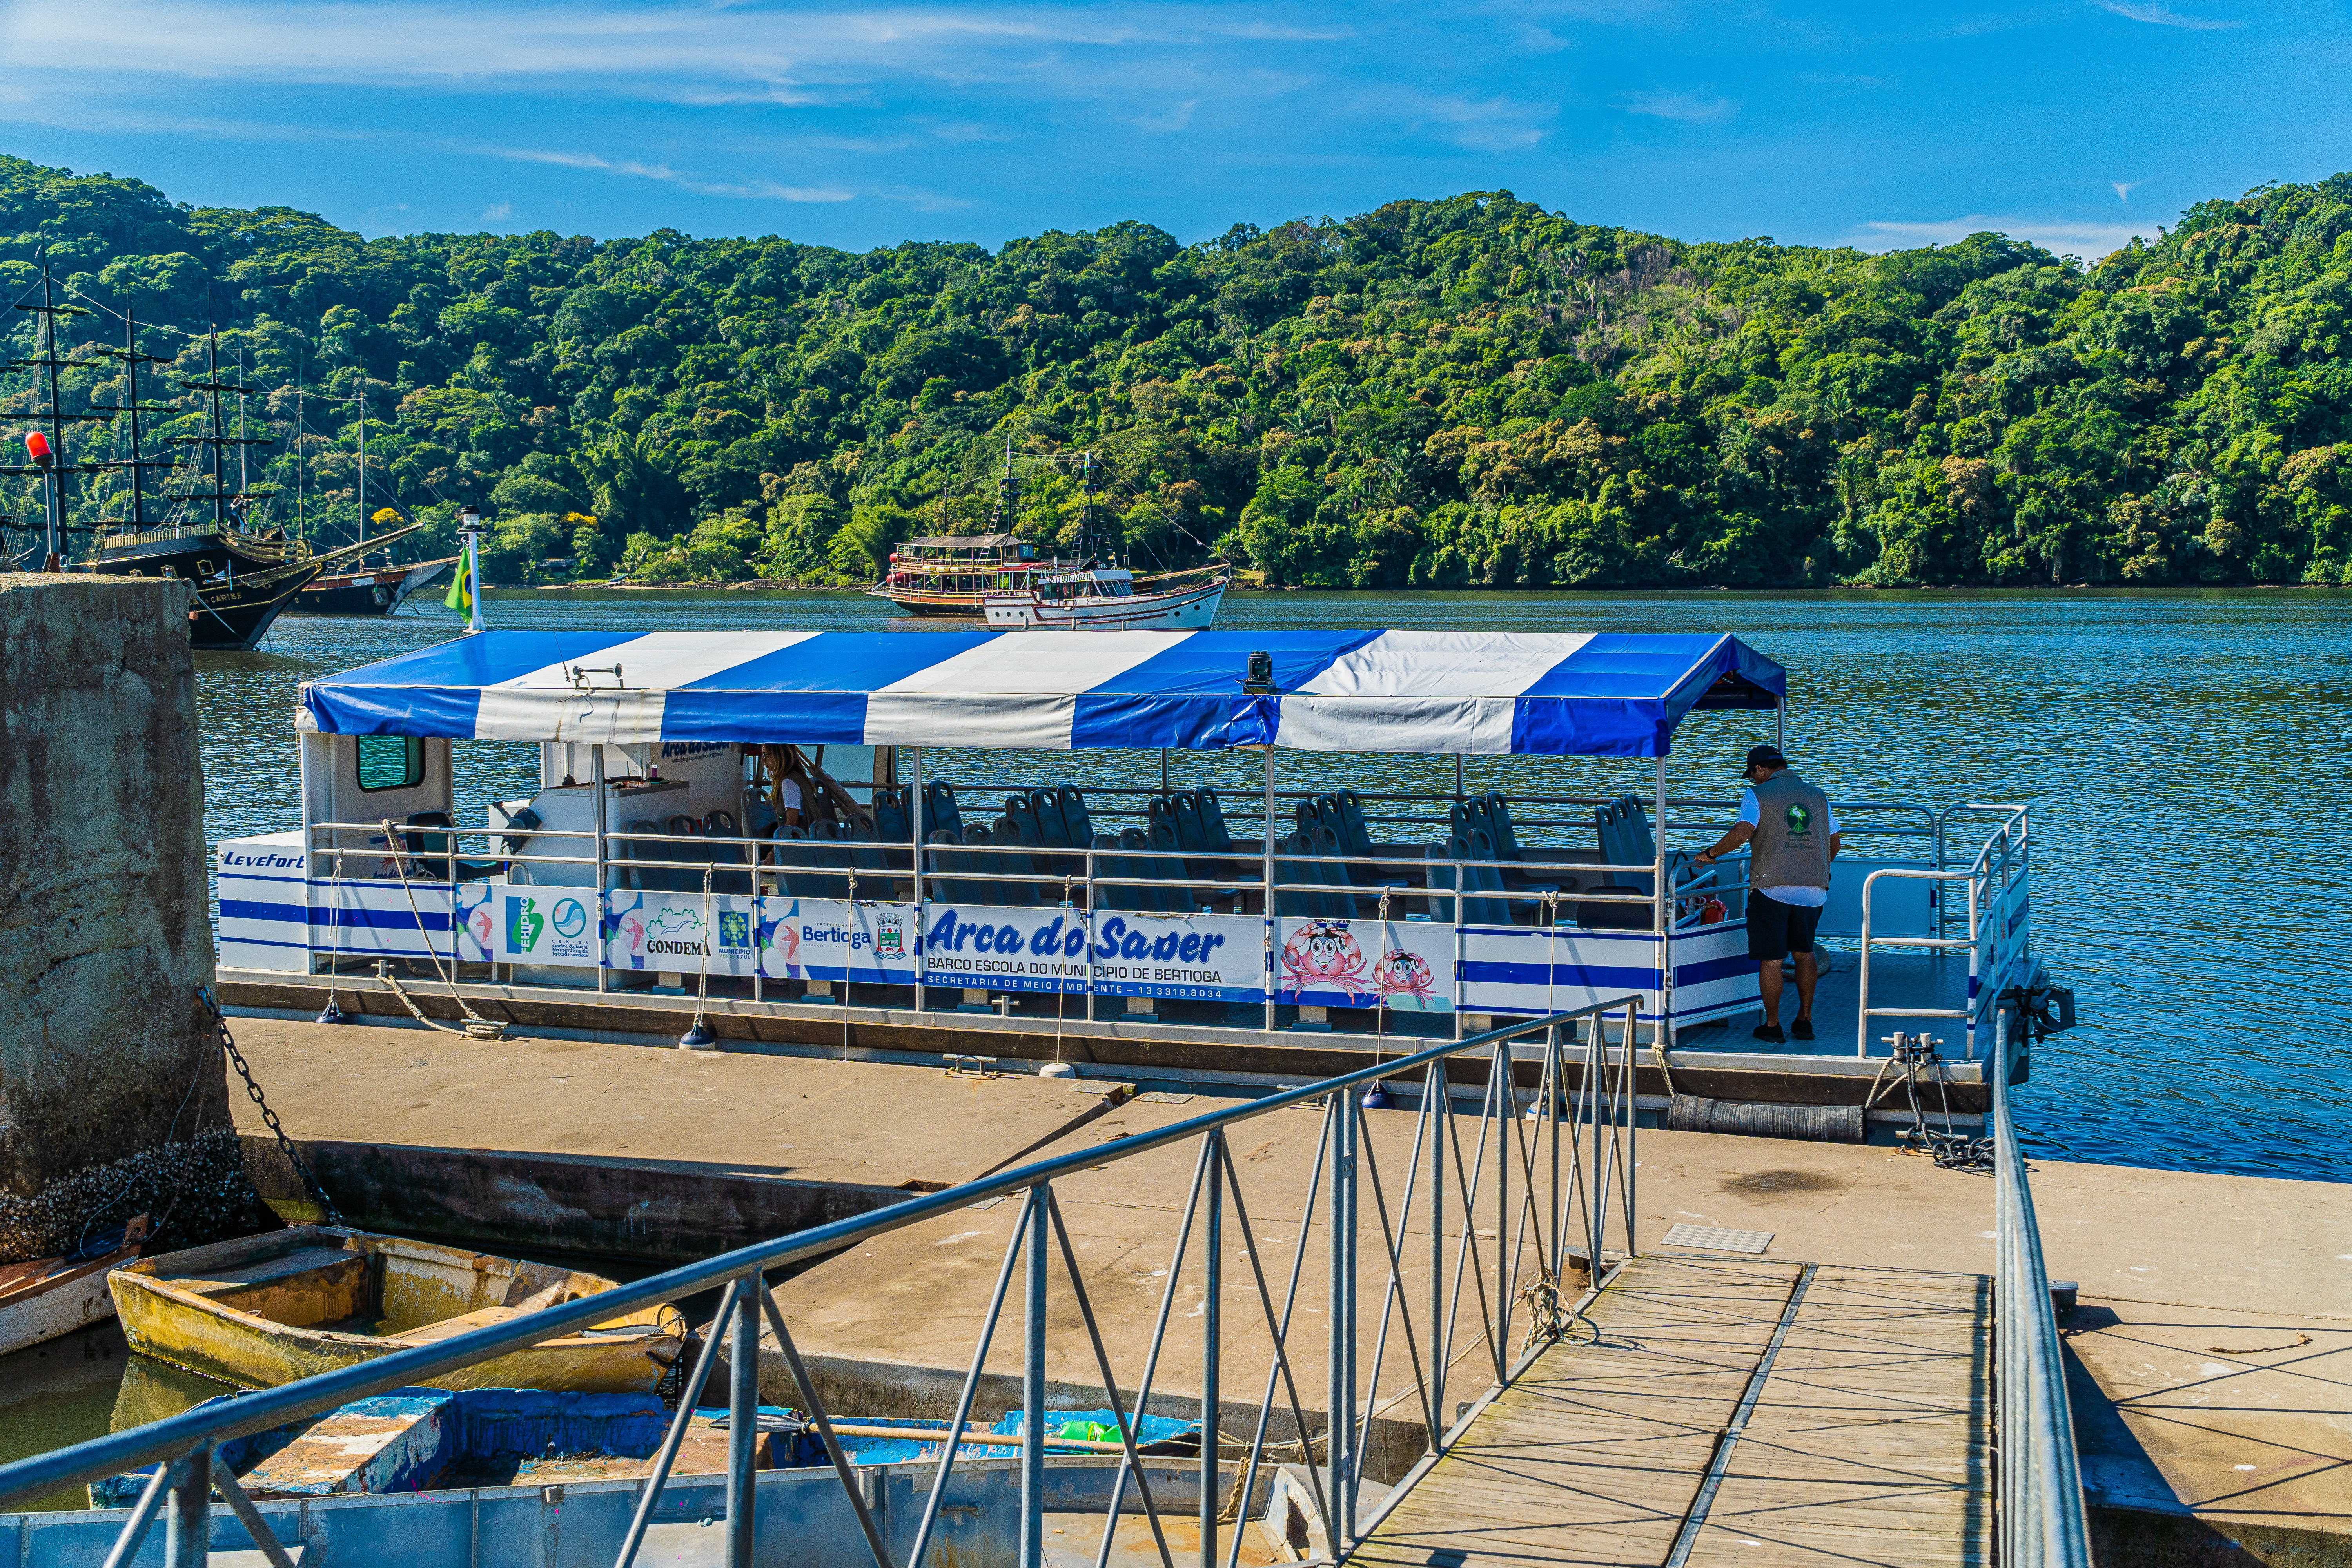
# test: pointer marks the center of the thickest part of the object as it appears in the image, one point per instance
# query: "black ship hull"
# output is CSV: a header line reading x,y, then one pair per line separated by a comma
x,y
235,596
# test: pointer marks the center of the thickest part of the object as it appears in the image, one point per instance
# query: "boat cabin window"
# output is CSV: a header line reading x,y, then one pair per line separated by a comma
x,y
390,762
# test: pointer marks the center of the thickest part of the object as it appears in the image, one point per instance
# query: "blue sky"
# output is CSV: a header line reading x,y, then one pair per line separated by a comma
x,y
2074,122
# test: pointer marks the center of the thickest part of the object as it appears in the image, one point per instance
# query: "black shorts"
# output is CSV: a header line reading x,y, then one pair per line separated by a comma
x,y
1776,930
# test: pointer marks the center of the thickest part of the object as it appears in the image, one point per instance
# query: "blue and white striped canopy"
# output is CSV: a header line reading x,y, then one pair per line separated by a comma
x,y
1481,693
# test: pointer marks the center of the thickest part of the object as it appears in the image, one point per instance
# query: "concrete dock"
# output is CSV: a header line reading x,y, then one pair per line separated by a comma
x,y
2212,1351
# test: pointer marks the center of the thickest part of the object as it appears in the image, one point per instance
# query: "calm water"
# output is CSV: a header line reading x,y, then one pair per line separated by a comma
x,y
2182,753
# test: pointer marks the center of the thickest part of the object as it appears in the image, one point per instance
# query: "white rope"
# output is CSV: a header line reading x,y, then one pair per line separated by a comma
x,y
477,1027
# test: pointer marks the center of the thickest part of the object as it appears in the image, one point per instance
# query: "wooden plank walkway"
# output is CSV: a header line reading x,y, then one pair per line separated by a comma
x,y
1868,1442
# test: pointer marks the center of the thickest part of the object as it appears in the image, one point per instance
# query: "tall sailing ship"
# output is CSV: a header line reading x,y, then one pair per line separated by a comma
x,y
241,576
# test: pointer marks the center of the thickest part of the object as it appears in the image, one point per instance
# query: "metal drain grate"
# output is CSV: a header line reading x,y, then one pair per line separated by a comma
x,y
1715,1239
1160,1097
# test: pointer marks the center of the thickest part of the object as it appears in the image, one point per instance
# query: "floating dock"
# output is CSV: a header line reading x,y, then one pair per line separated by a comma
x,y
2210,1350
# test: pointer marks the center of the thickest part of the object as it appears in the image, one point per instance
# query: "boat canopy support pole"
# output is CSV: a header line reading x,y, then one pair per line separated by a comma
x,y
743,1422
915,832
187,1517
1272,926
596,780
1665,917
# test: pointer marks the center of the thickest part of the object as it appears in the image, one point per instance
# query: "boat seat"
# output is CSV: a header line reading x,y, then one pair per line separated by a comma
x,y
1626,840
431,851
940,811
1162,836
1442,879
1213,823
265,1270
1075,822
1018,878
722,824
890,815
463,1323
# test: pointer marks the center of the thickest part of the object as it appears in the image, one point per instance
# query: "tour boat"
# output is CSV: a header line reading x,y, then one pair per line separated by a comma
x,y
1164,853
265,1310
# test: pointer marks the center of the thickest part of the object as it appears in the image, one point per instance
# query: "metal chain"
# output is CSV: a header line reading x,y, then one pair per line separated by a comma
x,y
309,1178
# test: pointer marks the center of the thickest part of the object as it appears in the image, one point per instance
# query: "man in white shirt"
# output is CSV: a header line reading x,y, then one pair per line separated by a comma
x,y
1795,835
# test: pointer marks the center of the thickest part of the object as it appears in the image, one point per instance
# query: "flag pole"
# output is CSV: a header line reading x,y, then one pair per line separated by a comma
x,y
469,529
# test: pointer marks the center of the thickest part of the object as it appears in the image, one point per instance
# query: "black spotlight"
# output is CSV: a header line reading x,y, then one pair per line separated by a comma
x,y
1260,680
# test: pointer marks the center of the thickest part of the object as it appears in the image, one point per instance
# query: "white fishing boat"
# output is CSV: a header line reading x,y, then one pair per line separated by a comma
x,y
1111,598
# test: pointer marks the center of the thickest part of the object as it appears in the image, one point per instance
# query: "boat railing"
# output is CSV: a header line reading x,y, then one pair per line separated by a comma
x,y
2041,1514
1995,891
1361,1374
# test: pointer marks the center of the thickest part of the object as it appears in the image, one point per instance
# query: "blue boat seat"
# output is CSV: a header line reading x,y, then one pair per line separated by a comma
x,y
442,865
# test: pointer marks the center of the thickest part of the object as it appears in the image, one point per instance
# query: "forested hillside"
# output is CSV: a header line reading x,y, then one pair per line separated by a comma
x,y
1471,392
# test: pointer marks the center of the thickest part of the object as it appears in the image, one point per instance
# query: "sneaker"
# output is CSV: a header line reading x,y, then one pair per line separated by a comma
x,y
1802,1029
1770,1032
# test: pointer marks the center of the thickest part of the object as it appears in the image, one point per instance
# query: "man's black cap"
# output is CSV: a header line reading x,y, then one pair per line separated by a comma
x,y
1766,757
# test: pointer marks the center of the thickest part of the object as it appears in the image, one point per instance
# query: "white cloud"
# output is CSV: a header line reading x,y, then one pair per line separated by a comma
x,y
1486,124
1689,108
1175,117
2159,16
752,189
498,212
2123,188
2060,237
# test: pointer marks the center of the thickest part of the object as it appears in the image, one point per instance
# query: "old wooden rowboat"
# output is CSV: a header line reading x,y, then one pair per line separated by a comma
x,y
266,1310
51,1296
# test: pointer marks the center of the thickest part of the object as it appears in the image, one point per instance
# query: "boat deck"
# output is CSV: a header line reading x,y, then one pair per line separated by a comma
x,y
1897,979
1869,1439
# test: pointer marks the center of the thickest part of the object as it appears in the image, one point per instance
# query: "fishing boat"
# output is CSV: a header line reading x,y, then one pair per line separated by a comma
x,y
266,1310
1115,856
1111,598
359,589
48,1297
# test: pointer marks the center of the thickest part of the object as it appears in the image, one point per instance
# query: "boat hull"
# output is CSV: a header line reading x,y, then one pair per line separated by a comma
x,y
1190,609
172,1320
380,592
58,1308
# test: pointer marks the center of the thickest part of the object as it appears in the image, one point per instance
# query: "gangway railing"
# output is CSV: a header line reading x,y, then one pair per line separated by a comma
x,y
2039,1503
1548,1162
1990,884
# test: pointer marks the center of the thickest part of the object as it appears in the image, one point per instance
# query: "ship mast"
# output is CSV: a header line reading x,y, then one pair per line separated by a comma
x,y
137,463
49,360
213,386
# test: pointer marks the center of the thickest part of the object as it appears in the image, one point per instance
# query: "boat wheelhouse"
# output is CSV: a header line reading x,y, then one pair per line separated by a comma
x,y
1010,846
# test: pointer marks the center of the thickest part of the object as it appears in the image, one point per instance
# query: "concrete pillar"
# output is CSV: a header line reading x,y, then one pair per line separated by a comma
x,y
105,1050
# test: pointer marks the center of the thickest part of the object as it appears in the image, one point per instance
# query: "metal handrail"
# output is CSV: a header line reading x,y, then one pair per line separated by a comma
x,y
182,1443
2039,1501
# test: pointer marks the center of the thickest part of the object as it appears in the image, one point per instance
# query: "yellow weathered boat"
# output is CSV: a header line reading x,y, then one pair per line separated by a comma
x,y
266,1310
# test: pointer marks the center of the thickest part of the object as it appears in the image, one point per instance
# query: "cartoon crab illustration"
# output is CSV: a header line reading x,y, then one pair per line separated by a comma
x,y
1321,956
1401,973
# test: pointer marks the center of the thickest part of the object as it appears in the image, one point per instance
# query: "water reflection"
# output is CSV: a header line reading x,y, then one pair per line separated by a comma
x,y
2178,749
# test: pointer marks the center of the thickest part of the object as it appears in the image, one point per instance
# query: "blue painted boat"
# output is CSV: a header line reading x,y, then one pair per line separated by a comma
x,y
412,1439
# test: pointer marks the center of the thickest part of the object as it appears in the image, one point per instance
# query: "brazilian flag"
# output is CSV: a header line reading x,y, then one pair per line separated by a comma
x,y
460,596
